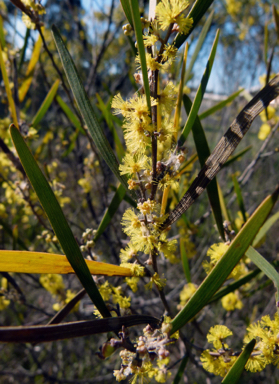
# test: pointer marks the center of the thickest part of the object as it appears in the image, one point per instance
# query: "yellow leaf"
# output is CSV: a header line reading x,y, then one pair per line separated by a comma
x,y
40,262
8,89
30,69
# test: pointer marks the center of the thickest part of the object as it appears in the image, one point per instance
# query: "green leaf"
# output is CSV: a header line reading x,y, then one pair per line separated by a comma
x,y
203,153
46,333
239,198
57,220
181,370
134,6
265,228
235,285
226,264
126,8
264,266
199,45
86,109
110,211
233,376
23,50
70,114
199,95
46,103
185,261
197,11
109,120
220,105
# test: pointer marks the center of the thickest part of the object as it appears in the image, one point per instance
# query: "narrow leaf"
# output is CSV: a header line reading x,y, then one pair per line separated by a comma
x,y
40,262
30,69
110,211
2,33
46,103
265,228
23,50
181,370
197,11
108,117
199,95
239,198
70,114
126,8
185,262
46,333
203,153
57,220
199,45
86,108
235,285
220,105
234,374
134,7
223,268
8,89
264,266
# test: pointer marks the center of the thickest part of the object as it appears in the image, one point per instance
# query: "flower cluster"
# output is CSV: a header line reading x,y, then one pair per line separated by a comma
x,y
266,351
140,362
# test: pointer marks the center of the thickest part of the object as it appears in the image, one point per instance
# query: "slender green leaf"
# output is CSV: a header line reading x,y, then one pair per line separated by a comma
x,y
23,50
239,198
134,7
265,228
233,376
220,105
264,266
46,333
181,370
203,153
235,285
57,220
199,95
223,268
185,261
86,109
46,103
199,45
70,114
197,11
126,8
110,211
109,120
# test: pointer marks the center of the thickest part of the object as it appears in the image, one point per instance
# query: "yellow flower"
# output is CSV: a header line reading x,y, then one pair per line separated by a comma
x,y
231,302
159,282
264,131
52,283
187,292
128,253
217,334
170,12
85,184
133,164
